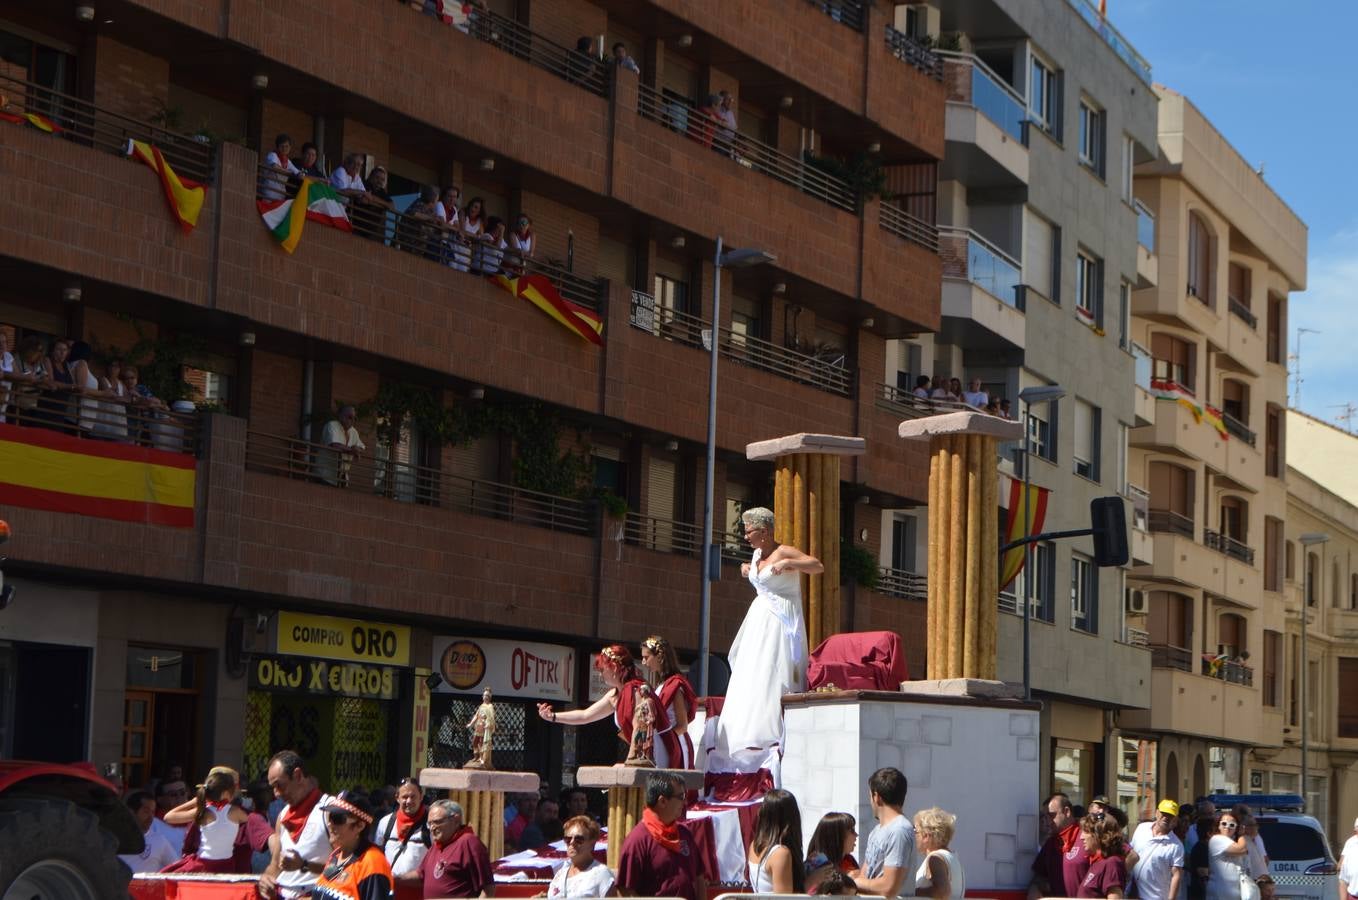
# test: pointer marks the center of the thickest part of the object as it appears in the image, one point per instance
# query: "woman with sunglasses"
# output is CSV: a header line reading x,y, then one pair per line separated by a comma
x,y
1228,855
357,868
582,875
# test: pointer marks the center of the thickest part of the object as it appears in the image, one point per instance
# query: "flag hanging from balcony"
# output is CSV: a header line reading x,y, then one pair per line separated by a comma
x,y
48,470
37,120
1014,528
539,290
184,196
315,200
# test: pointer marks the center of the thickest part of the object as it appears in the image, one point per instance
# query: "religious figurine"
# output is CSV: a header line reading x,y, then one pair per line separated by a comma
x,y
639,751
482,726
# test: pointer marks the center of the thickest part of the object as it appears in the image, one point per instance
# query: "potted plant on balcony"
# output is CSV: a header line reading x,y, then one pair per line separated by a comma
x,y
859,565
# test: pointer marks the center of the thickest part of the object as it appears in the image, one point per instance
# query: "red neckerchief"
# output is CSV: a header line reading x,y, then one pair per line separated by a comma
x,y
219,804
1069,835
282,159
295,820
457,835
666,836
406,824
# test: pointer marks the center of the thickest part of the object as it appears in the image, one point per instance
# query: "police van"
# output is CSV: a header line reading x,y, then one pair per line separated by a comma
x,y
1299,857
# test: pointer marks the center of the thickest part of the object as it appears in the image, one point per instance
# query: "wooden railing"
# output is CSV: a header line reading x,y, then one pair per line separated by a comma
x,y
410,483
680,114
84,123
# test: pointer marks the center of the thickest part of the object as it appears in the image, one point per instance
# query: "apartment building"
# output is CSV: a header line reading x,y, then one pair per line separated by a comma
x,y
309,603
1049,109
1207,463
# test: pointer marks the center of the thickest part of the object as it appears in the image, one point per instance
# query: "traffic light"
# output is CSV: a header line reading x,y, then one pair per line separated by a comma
x,y
1109,522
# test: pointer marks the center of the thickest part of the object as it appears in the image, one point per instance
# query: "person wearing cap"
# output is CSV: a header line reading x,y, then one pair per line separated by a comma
x,y
1156,859
457,864
1348,866
357,868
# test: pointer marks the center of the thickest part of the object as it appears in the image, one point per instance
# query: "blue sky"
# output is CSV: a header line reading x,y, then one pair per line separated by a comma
x,y
1278,80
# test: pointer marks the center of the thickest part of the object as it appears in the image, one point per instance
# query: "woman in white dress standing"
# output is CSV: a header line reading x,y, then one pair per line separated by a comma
x,y
769,655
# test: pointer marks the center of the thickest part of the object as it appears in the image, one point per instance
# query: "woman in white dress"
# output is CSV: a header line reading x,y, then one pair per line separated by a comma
x,y
768,657
1228,852
940,872
582,875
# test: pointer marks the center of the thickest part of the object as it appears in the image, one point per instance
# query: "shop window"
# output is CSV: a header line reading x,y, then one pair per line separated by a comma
x,y
1073,768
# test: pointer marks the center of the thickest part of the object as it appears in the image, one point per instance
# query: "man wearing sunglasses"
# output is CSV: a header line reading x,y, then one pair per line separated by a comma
x,y
1157,857
458,863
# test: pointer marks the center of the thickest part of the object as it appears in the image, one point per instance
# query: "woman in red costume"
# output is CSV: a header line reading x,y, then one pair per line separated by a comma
x,y
676,698
626,690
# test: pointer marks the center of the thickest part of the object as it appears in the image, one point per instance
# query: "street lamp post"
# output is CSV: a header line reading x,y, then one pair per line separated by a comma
x,y
1307,540
733,259
1043,393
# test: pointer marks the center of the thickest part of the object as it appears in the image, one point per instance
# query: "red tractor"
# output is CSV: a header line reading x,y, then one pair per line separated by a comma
x,y
61,827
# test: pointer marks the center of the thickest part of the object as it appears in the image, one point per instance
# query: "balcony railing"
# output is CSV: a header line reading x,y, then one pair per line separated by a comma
x,y
827,374
1228,670
406,482
968,255
106,419
903,225
988,92
426,236
84,123
1164,520
906,404
1143,365
679,114
670,536
1089,11
1224,543
1164,656
903,584
1242,312
1237,429
1135,637
1145,226
846,12
1141,507
912,52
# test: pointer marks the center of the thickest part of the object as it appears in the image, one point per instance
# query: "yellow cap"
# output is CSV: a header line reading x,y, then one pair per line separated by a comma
x,y
1168,807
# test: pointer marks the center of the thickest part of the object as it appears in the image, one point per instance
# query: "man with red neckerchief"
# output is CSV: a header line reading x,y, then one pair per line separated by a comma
x,y
301,843
659,858
404,835
457,864
1049,875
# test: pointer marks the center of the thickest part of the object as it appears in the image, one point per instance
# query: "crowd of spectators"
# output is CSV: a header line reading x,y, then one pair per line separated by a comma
x,y
948,392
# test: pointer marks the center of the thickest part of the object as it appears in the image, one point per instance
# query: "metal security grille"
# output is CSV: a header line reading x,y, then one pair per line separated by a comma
x,y
258,743
450,746
361,743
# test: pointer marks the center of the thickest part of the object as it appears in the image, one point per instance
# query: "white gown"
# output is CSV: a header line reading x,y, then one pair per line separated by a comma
x,y
768,659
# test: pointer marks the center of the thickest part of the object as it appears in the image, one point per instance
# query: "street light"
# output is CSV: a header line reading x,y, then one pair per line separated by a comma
x,y
731,259
1038,393
1309,539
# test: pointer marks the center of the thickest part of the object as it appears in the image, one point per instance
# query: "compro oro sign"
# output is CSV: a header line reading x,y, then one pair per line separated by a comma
x,y
352,640
509,668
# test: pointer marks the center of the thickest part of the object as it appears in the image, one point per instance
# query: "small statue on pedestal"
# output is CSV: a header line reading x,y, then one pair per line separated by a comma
x,y
639,751
482,727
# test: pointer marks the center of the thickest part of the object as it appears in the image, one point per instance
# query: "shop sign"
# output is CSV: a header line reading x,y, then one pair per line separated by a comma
x,y
508,668
419,746
319,676
329,637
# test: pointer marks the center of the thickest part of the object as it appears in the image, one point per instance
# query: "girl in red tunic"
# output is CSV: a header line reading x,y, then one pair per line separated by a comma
x,y
676,698
626,690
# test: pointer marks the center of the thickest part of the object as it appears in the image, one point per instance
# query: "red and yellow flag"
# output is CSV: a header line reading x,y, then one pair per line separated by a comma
x,y
41,469
184,196
539,290
37,120
1014,528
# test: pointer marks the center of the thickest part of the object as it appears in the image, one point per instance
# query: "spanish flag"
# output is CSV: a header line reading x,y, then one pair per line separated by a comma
x,y
37,120
1014,529
184,196
539,290
41,469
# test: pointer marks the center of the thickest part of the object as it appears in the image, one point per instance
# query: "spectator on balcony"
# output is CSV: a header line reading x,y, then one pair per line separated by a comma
x,y
418,229
30,378
490,248
57,409
310,163
274,183
1005,409
373,207
921,387
113,426
347,179
447,206
6,368
145,404
977,396
89,407
993,407
473,218
522,241
341,443
943,390
583,62
726,124
623,60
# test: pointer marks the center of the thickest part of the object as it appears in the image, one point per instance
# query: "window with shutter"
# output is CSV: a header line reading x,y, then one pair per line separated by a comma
x,y
1201,258
660,503
1272,651
1273,539
1086,456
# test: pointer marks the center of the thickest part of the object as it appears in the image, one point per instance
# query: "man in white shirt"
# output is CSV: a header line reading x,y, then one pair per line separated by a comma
x,y
341,440
404,835
889,861
1157,855
347,180
157,854
1348,866
976,397
170,794
300,844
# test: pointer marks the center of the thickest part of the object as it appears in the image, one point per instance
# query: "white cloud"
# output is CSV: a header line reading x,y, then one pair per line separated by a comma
x,y
1329,359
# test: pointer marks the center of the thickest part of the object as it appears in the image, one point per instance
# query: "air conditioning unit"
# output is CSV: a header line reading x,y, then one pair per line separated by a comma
x,y
1136,602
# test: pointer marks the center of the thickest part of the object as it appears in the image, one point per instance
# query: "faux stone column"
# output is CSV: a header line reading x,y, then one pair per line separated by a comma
x,y
626,789
964,533
806,514
481,794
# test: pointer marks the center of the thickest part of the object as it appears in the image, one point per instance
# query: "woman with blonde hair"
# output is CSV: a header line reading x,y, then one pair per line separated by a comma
x,y
582,875
940,872
676,698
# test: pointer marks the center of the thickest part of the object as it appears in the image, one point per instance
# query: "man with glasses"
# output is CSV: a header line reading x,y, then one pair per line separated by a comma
x,y
659,858
301,843
457,864
404,835
169,795
1156,861
1063,829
